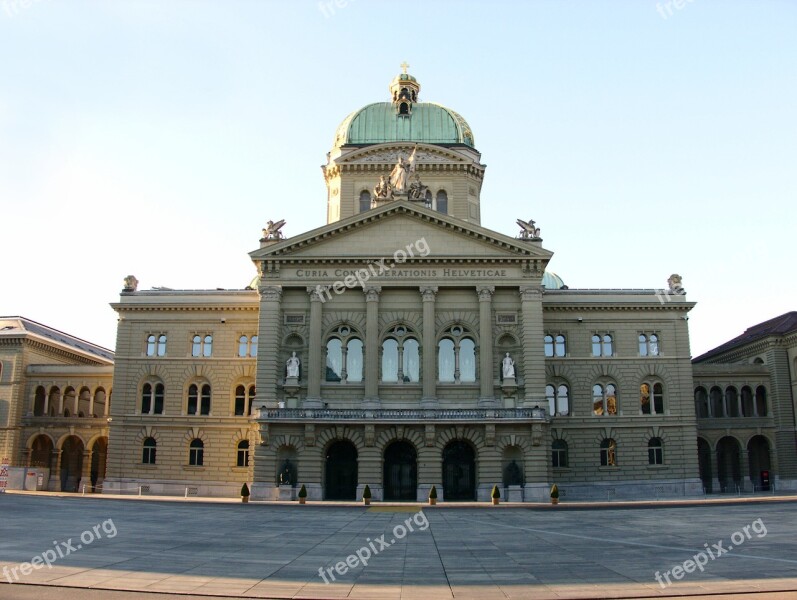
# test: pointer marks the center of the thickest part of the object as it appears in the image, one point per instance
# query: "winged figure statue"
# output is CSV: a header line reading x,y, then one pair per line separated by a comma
x,y
272,230
528,231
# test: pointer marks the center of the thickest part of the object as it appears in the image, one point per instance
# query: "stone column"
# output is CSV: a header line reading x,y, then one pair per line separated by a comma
x,y
429,349
55,474
60,412
314,354
532,333
268,339
716,485
487,395
371,399
85,471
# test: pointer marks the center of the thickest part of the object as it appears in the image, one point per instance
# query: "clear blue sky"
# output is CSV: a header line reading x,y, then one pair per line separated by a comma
x,y
156,138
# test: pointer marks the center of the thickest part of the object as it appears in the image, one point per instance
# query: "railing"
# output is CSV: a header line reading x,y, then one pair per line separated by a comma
x,y
357,414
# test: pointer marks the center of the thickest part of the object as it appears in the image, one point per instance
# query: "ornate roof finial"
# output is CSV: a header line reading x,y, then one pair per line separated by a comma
x,y
404,66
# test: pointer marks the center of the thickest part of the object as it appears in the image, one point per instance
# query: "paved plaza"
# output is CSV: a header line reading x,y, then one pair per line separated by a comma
x,y
279,551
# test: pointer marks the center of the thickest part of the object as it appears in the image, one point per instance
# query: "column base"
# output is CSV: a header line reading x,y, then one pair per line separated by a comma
x,y
430,403
487,403
371,403
313,403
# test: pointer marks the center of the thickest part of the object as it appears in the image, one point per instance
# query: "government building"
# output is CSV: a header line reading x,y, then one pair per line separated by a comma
x,y
401,346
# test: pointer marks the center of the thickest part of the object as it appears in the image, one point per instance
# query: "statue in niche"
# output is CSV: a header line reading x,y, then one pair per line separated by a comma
x,y
286,476
508,367
292,365
512,474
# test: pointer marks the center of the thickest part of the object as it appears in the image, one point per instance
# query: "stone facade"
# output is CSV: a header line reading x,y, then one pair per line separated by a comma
x,y
55,396
403,346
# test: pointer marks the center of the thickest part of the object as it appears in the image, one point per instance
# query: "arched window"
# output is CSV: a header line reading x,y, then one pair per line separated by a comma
x,y
247,346
555,345
701,403
445,356
608,452
428,199
149,451
243,400
560,349
558,399
748,405
761,401
196,453
442,202
715,396
156,345
344,356
152,399
365,201
559,458
242,458
651,398
602,345
198,398
457,356
548,344
39,402
655,451
648,344
604,399
202,346
400,356
731,402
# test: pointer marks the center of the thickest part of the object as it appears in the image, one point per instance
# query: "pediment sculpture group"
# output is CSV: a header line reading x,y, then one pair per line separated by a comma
x,y
403,182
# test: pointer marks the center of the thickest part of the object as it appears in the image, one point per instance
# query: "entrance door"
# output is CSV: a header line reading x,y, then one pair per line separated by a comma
x,y
459,472
400,475
341,472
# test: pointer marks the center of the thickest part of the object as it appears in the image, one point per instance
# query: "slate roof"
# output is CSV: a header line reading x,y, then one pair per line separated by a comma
x,y
24,326
785,323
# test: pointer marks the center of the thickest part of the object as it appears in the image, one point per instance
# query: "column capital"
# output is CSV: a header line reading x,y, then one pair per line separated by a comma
x,y
270,292
530,293
428,293
372,293
316,293
485,292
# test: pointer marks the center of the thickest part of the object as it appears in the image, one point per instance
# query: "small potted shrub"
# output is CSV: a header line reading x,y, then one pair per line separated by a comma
x,y
367,495
302,495
554,494
244,493
433,496
495,495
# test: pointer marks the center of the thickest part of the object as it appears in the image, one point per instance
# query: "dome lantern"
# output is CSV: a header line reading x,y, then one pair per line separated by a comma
x,y
404,90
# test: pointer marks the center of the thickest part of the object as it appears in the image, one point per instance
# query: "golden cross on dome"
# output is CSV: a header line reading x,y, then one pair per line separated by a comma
x,y
405,66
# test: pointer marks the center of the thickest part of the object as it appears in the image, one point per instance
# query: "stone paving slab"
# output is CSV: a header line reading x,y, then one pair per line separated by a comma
x,y
478,552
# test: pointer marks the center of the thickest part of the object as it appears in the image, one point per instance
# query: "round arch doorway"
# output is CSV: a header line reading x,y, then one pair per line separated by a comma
x,y
459,471
340,472
400,478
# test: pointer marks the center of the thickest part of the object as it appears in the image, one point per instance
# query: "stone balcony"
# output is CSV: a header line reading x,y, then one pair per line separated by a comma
x,y
352,415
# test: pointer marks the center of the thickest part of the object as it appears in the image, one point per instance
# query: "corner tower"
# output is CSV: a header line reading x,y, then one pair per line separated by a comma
x,y
404,149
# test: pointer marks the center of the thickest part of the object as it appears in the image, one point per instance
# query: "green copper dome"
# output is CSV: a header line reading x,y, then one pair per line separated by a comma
x,y
379,123
552,281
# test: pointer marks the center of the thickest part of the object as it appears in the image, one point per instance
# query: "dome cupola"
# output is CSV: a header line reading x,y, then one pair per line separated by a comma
x,y
404,91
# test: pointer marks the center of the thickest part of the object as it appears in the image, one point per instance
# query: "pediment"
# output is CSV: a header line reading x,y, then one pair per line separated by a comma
x,y
388,154
382,232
